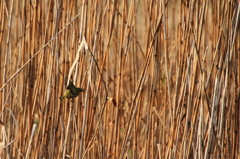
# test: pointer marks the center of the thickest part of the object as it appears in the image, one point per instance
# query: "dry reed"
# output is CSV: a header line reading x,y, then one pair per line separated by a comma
x,y
161,79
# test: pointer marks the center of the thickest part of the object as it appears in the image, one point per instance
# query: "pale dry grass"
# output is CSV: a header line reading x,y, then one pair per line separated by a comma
x,y
161,79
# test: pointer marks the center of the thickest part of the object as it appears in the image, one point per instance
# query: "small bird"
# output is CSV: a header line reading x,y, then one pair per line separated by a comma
x,y
71,92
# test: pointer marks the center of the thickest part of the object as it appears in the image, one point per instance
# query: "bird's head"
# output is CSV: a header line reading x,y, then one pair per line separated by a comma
x,y
78,90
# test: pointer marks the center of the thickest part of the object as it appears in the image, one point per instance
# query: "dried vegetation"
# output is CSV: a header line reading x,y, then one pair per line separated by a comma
x,y
161,78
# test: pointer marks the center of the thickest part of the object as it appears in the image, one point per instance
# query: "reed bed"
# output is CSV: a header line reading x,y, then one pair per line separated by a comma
x,y
161,79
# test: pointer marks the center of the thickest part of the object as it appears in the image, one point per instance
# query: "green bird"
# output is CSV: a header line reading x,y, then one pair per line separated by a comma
x,y
71,92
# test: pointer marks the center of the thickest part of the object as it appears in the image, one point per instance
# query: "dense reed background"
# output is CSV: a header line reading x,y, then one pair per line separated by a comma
x,y
161,79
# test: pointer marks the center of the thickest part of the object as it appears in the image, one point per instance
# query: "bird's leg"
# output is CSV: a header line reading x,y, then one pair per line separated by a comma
x,y
70,100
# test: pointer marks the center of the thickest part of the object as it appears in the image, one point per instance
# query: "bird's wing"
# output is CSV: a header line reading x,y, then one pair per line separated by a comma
x,y
72,88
